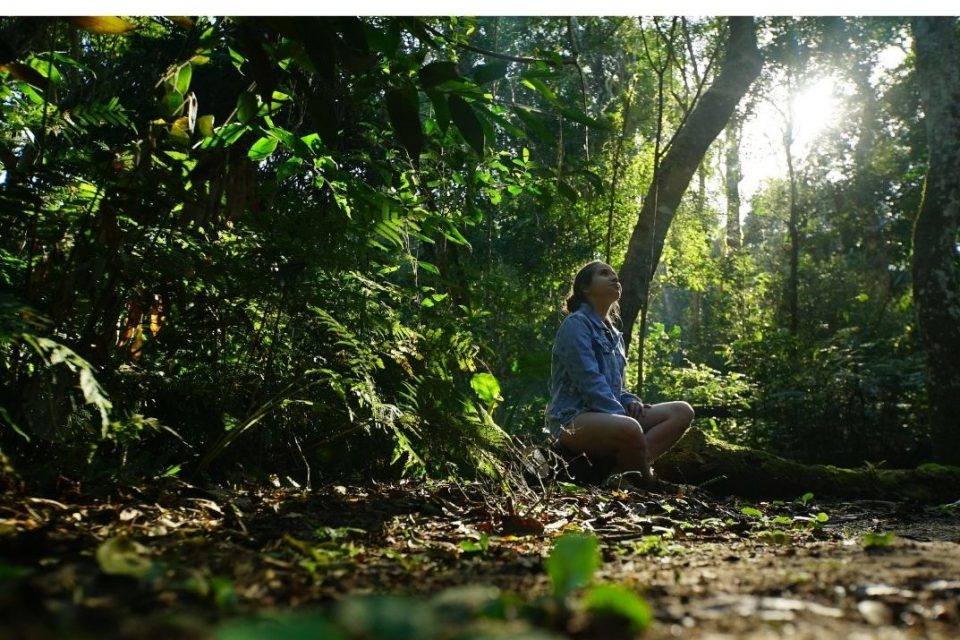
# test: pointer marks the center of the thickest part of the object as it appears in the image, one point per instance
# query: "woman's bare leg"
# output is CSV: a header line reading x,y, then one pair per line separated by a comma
x,y
607,434
663,424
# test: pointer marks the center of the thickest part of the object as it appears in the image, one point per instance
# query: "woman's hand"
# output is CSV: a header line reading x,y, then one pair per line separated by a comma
x,y
636,410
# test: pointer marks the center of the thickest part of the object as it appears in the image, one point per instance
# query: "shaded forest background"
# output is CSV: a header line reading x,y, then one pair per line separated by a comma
x,y
325,248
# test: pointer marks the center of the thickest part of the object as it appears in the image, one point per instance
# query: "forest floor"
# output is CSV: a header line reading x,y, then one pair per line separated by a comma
x,y
446,560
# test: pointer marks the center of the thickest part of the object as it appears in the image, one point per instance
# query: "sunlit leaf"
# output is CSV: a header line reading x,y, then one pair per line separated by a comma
x,y
752,512
572,563
467,123
205,125
180,130
263,148
105,25
171,103
617,600
122,556
184,74
181,21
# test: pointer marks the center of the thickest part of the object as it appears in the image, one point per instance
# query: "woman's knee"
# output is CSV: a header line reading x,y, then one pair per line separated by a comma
x,y
630,433
685,412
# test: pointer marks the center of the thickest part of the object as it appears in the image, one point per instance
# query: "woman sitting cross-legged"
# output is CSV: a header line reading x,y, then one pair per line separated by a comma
x,y
590,414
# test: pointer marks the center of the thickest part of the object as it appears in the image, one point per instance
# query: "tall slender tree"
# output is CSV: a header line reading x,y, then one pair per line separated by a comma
x,y
936,281
741,65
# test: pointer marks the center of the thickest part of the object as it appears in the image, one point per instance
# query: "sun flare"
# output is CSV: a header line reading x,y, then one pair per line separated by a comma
x,y
813,109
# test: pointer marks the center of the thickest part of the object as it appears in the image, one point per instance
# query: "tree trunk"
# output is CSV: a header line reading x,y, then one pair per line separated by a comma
x,y
936,282
723,468
733,177
793,226
741,65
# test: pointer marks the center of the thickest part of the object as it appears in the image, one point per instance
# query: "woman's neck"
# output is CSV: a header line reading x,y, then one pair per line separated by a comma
x,y
601,308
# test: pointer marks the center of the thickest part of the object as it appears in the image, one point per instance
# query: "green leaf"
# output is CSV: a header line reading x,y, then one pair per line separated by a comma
x,y
582,118
171,103
484,73
13,425
184,74
753,512
121,556
535,125
486,387
427,266
246,107
874,540
436,73
572,563
263,148
617,600
289,167
568,192
205,125
404,115
45,69
467,123
441,111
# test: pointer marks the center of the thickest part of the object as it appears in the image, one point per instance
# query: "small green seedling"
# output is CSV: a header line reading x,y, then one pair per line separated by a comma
x,y
874,541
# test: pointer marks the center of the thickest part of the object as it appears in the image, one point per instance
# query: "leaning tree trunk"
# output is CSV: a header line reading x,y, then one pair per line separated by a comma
x,y
936,282
741,65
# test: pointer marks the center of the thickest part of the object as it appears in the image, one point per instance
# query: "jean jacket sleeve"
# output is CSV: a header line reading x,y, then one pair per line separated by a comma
x,y
626,397
575,348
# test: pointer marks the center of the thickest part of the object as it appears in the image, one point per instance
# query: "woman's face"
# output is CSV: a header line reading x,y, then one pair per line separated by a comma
x,y
605,285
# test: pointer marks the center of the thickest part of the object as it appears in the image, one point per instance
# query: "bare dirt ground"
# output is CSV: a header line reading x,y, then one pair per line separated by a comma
x,y
175,560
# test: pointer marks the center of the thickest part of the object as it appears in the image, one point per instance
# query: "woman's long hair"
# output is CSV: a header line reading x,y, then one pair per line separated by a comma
x,y
581,281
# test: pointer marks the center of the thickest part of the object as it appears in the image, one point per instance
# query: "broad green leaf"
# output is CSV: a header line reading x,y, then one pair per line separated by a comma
x,y
405,117
263,148
45,69
205,125
877,540
535,124
572,563
122,556
427,266
622,602
24,73
441,111
184,74
538,86
467,123
246,107
753,512
568,192
289,167
104,25
437,72
171,103
489,72
486,386
180,130
582,118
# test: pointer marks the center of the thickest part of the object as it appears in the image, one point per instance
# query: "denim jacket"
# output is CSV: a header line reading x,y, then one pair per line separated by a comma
x,y
587,370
